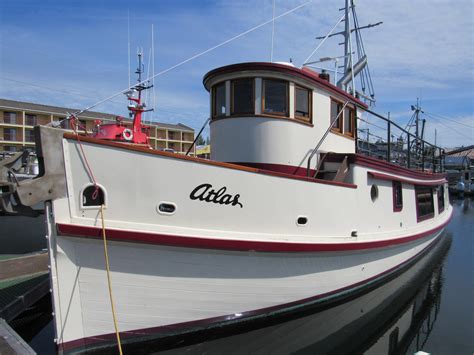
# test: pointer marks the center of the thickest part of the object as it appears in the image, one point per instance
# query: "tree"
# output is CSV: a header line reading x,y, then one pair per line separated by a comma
x,y
200,141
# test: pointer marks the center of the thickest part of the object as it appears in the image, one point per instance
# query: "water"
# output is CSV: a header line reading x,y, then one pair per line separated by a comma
x,y
429,307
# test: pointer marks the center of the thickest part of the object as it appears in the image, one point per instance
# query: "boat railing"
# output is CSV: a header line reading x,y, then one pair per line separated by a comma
x,y
316,148
380,137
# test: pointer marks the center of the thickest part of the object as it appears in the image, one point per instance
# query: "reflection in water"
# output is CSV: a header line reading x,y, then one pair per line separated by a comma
x,y
395,318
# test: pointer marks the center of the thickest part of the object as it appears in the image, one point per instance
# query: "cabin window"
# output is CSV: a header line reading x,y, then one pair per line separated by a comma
x,y
243,96
218,98
440,198
424,202
349,121
303,104
275,97
336,108
397,196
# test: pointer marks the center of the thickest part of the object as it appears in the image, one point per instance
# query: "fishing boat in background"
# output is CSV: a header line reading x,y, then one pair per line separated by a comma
x,y
261,230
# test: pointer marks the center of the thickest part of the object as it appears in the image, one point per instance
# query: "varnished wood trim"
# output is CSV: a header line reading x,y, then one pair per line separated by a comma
x,y
132,147
310,105
265,116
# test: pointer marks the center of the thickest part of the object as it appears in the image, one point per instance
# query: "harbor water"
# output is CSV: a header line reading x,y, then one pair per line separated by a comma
x,y
429,307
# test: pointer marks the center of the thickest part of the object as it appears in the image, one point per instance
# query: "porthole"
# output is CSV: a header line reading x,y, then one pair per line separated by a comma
x,y
166,208
93,196
302,220
374,192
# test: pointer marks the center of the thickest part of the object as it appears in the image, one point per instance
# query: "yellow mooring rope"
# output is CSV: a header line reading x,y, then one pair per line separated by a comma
x,y
117,333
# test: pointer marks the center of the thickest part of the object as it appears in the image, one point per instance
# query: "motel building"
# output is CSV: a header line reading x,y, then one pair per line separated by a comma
x,y
17,120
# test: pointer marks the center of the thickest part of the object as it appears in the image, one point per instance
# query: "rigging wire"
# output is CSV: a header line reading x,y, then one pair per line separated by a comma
x,y
448,119
324,40
449,127
273,31
195,56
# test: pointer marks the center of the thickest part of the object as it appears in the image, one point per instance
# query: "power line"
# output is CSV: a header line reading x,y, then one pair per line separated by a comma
x,y
451,128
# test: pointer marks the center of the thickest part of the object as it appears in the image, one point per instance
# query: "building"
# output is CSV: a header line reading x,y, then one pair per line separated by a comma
x,y
17,120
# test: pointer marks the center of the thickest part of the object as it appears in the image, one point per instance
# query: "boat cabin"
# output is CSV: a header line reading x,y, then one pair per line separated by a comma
x,y
272,115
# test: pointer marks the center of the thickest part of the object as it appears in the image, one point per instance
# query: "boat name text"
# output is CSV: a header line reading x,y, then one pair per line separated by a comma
x,y
206,193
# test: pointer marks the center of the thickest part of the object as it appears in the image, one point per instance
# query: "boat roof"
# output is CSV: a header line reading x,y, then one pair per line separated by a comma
x,y
303,73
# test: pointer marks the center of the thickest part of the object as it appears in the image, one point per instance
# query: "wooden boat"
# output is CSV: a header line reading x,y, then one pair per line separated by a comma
x,y
289,212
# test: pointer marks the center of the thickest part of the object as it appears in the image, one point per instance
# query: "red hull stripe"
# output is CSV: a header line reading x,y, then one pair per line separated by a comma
x,y
73,344
227,244
381,176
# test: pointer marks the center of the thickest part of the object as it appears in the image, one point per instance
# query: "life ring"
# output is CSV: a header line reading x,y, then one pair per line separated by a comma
x,y
127,134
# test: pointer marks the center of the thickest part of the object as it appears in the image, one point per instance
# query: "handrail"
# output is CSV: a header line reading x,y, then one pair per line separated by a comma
x,y
315,150
198,135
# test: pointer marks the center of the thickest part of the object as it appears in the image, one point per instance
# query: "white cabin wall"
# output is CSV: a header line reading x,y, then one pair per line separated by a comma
x,y
271,140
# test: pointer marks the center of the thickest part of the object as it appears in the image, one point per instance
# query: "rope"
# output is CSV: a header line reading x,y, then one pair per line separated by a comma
x,y
104,236
109,282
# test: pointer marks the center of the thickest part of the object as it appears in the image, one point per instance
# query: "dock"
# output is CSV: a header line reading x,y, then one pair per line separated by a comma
x,y
24,280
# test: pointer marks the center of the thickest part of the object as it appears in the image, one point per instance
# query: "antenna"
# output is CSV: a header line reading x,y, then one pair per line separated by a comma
x,y
128,36
153,66
273,30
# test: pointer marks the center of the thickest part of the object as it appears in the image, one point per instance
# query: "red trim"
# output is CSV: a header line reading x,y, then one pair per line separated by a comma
x,y
174,328
305,73
385,166
232,244
381,176
142,149
395,185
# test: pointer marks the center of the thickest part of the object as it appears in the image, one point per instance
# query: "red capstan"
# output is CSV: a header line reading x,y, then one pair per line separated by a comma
x,y
119,131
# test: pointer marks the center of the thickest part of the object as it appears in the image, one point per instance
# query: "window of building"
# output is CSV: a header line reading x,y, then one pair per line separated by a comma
x,y
275,97
218,107
397,196
30,120
336,109
349,121
303,104
424,202
9,117
440,198
243,96
9,134
29,135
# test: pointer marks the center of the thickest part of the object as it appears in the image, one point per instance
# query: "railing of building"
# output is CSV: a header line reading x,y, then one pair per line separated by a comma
x,y
379,137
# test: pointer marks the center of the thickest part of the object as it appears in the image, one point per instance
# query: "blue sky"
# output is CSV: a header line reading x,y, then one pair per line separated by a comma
x,y
74,53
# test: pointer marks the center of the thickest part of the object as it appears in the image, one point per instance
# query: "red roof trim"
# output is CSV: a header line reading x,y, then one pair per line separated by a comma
x,y
304,73
75,230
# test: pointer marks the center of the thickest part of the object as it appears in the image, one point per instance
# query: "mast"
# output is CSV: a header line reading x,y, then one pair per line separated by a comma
x,y
347,34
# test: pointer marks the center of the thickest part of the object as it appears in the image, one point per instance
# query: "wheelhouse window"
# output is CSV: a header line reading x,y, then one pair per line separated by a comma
x,y
303,104
218,99
349,121
243,96
397,196
275,97
424,202
440,198
336,109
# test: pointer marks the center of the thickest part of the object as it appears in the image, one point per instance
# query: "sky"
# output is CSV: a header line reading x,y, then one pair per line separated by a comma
x,y
75,53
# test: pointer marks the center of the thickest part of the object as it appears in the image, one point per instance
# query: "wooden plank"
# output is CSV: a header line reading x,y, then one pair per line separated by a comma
x,y
23,266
